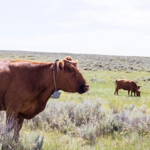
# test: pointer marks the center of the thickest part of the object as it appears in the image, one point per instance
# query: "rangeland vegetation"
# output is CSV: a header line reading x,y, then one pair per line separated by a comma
x,y
95,120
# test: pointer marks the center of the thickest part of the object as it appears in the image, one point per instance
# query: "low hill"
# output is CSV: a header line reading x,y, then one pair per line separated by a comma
x,y
87,61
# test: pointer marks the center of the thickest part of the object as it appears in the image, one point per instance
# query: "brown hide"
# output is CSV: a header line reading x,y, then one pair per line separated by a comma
x,y
128,85
25,87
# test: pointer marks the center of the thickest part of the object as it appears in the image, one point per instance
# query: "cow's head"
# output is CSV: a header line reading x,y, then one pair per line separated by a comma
x,y
69,77
138,93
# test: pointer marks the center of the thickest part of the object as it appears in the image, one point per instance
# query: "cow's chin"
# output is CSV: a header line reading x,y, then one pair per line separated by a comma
x,y
83,89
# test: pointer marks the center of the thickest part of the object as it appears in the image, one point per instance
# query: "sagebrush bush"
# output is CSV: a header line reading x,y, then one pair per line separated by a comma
x,y
89,119
34,142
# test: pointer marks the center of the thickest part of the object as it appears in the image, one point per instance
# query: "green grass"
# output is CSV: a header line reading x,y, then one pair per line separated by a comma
x,y
102,89
54,140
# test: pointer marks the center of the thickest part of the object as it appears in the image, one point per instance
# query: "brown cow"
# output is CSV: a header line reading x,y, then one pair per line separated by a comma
x,y
128,85
25,87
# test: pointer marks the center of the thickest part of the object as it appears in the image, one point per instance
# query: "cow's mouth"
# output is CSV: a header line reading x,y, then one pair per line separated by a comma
x,y
83,88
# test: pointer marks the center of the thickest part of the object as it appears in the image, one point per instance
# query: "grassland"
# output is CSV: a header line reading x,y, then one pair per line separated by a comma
x,y
97,120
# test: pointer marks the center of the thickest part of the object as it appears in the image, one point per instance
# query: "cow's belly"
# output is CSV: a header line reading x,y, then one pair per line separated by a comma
x,y
31,108
126,88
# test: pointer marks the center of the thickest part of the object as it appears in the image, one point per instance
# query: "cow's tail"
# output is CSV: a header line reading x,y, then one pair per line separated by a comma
x,y
115,83
115,87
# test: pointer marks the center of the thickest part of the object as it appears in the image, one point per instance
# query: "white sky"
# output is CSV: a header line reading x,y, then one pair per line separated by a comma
x,y
111,27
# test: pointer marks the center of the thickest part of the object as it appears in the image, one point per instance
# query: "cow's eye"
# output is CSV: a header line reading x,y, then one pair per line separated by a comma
x,y
70,70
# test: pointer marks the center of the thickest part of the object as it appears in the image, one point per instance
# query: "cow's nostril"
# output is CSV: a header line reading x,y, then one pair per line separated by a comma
x,y
83,88
86,87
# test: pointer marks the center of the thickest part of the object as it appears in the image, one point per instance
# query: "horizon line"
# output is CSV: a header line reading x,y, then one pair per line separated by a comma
x,y
34,51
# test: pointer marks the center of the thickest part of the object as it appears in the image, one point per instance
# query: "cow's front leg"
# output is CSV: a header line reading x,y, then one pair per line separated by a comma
x,y
11,119
135,93
129,92
18,127
13,122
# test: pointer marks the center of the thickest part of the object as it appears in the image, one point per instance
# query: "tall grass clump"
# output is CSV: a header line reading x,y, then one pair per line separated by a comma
x,y
27,142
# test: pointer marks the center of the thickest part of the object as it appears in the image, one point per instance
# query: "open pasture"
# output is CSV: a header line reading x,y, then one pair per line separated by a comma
x,y
97,119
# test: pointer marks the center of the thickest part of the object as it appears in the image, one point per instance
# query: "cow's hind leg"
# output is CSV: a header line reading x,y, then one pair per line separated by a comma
x,y
116,91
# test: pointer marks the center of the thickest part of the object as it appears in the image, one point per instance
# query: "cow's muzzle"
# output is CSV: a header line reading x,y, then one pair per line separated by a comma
x,y
83,88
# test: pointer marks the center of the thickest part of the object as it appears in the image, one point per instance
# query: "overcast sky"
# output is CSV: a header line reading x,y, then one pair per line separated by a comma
x,y
111,27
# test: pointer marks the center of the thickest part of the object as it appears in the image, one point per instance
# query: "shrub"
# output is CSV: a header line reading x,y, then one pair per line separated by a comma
x,y
89,119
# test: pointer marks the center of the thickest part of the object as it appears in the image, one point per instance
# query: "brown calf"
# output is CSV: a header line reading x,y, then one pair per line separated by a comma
x,y
128,85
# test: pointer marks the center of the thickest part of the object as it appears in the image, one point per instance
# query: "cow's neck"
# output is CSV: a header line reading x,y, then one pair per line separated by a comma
x,y
50,81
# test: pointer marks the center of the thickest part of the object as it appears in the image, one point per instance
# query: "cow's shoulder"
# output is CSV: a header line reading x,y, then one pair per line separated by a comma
x,y
4,66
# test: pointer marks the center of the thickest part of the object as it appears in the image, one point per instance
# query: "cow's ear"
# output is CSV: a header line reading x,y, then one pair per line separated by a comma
x,y
68,58
60,65
76,62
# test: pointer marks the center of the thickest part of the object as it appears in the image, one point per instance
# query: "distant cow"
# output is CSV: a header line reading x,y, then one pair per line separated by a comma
x,y
128,85
25,87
